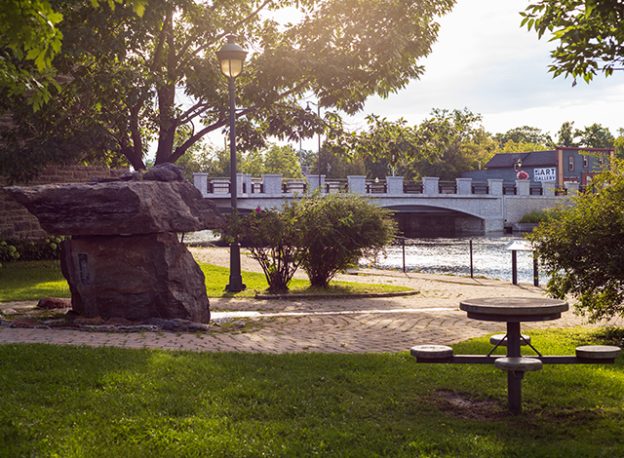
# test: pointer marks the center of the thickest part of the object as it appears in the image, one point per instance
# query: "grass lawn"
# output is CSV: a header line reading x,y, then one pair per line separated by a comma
x,y
75,402
32,280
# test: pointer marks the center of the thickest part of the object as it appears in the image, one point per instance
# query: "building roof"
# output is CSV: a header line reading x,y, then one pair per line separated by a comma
x,y
535,158
532,158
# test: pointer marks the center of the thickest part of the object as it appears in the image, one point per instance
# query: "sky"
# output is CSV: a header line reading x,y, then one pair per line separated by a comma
x,y
484,61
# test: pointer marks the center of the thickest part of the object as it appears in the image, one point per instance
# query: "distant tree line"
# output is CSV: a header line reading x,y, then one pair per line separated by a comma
x,y
445,144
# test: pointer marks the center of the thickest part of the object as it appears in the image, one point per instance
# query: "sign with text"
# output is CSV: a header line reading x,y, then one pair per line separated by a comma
x,y
545,174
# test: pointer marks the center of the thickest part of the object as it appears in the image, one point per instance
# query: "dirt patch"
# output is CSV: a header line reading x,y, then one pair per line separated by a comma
x,y
465,405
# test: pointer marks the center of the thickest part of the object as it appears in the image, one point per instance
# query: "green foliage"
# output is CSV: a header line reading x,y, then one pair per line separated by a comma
x,y
77,401
339,230
29,40
274,239
444,145
589,33
581,248
278,159
532,137
566,135
595,136
512,146
536,216
145,78
30,250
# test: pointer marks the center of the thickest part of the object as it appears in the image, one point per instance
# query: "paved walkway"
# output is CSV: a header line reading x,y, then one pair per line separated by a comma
x,y
324,325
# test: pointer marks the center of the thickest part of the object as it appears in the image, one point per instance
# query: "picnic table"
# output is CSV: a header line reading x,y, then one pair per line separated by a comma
x,y
513,311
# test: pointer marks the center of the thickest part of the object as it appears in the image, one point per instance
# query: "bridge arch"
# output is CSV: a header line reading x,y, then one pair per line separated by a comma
x,y
436,221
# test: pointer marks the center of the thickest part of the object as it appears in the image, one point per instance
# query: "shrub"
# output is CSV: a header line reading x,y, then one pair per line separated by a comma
x,y
30,250
273,240
536,216
336,231
581,248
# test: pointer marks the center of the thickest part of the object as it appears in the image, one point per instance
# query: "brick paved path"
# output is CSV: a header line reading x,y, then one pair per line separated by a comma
x,y
345,325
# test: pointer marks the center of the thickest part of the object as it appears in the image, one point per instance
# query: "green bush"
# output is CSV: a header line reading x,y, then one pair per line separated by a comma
x,y
30,250
536,216
273,239
337,230
581,247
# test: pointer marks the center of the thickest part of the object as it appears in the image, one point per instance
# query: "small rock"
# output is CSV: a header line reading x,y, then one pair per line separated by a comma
x,y
164,172
50,303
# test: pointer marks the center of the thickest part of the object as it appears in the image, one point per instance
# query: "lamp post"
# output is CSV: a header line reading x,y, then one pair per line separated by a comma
x,y
318,113
231,57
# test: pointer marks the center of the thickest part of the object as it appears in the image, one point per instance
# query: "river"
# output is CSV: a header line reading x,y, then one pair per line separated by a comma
x,y
491,259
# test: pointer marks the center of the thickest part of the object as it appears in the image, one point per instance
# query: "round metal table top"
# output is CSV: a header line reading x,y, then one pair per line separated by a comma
x,y
512,309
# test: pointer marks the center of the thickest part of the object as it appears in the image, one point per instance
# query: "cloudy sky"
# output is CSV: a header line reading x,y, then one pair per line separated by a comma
x,y
484,61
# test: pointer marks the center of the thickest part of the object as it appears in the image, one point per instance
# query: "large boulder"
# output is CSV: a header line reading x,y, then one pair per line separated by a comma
x,y
135,277
118,207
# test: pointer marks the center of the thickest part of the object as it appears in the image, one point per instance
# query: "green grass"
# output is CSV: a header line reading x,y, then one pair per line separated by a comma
x,y
76,402
33,280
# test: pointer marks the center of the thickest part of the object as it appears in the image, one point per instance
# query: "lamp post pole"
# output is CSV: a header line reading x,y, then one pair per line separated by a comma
x,y
236,280
318,113
231,58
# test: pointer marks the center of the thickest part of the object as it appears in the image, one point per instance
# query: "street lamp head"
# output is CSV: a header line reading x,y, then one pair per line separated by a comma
x,y
231,57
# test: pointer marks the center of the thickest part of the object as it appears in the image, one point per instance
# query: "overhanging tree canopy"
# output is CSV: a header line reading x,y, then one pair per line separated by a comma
x,y
590,34
154,78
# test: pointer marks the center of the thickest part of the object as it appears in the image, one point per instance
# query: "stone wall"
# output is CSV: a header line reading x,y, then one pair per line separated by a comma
x,y
16,223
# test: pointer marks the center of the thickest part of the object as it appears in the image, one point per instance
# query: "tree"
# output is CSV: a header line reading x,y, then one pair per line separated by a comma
x,y
595,136
589,32
525,134
444,145
566,135
618,144
143,79
581,247
30,39
282,160
449,143
336,231
521,147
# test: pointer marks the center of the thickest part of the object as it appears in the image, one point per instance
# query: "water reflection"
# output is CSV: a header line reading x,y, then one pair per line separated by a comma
x,y
452,256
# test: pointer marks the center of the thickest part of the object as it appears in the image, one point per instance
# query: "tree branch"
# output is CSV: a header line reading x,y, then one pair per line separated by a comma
x,y
235,26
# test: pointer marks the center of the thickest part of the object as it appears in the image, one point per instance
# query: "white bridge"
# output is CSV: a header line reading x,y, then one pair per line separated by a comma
x,y
460,206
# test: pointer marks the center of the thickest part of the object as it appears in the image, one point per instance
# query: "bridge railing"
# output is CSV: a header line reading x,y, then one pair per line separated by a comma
x,y
274,185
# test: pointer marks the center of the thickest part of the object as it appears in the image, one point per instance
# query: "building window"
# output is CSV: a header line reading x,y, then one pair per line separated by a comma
x,y
570,163
585,162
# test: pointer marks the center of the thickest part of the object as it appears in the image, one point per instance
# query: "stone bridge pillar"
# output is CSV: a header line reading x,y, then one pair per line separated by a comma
x,y
431,185
523,187
200,180
272,183
356,184
464,186
394,185
548,188
572,187
313,182
495,186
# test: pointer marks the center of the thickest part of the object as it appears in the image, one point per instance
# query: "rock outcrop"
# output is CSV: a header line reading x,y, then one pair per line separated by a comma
x,y
124,258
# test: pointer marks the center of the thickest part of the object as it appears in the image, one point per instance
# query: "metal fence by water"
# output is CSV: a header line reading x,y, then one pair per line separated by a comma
x,y
491,259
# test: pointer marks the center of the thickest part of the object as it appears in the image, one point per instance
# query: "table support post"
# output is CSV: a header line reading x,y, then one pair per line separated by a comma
x,y
514,379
